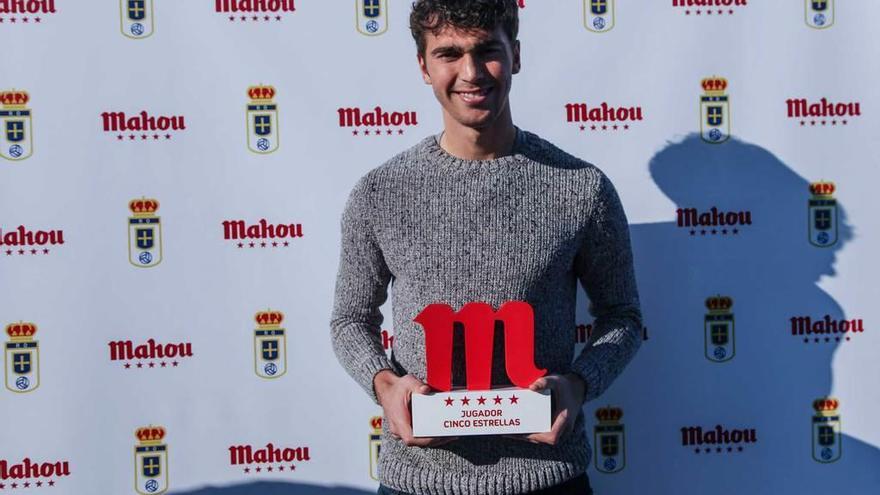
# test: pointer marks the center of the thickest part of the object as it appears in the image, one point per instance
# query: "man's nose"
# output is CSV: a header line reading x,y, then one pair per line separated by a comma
x,y
472,67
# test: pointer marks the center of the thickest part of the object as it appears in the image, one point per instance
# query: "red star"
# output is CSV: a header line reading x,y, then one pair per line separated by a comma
x,y
155,136
231,18
843,122
163,364
240,245
465,401
720,11
51,483
823,122
449,401
698,12
152,364
27,484
497,399
12,20
730,11
281,468
251,244
266,18
481,401
625,127
8,252
258,469
173,363
583,127
143,137
274,244
262,244
167,136
277,17
33,251
389,132
36,19
140,365
286,243
247,470
400,132
708,12
354,132
802,122
592,127
127,366
119,137
39,483
292,467
243,18
833,122
15,485
812,122
514,399
131,137
687,12
1,22
21,251
604,127
269,469
255,18
615,127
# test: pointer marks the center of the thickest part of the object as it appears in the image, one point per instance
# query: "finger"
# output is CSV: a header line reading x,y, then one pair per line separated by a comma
x,y
539,384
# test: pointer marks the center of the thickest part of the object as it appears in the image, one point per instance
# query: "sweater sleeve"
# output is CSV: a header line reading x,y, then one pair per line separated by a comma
x,y
604,266
361,288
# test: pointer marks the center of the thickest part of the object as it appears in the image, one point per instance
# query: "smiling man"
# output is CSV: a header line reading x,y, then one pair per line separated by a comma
x,y
488,212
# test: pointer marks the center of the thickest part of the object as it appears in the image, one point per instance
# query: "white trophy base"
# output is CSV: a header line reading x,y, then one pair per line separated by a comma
x,y
508,411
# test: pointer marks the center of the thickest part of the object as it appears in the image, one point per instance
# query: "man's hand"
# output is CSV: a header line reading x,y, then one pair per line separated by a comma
x,y
568,391
395,394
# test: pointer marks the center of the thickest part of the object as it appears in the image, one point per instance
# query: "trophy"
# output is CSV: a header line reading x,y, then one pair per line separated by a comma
x,y
479,409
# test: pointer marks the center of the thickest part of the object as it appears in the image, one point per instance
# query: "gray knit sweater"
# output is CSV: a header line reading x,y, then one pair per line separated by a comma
x,y
526,226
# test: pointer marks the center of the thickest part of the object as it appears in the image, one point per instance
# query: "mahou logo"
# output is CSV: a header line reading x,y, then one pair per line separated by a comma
x,y
714,111
376,122
144,233
16,136
712,221
31,11
826,430
150,461
718,439
261,234
718,329
270,345
30,474
822,214
136,18
375,445
24,241
254,10
22,358
709,8
608,441
279,459
142,127
602,117
825,329
819,14
150,354
372,16
598,15
262,120
822,112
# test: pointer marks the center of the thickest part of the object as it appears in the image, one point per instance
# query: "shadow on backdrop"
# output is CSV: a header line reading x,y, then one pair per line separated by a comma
x,y
771,376
276,488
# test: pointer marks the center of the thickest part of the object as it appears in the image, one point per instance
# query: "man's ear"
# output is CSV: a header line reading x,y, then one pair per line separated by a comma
x,y
424,68
516,60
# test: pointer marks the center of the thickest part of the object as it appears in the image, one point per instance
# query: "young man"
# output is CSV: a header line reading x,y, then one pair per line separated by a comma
x,y
483,212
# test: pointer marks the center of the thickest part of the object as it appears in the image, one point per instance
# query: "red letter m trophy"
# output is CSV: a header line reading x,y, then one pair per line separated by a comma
x,y
479,409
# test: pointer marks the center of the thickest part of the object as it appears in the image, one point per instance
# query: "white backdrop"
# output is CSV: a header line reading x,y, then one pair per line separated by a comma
x,y
78,60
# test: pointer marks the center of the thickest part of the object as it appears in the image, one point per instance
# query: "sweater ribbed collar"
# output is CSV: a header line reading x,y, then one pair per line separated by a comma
x,y
444,159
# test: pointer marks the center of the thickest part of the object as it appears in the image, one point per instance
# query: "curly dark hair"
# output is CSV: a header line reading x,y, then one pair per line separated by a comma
x,y
434,15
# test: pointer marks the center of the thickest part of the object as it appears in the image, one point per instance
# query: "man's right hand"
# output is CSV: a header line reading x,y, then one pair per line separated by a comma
x,y
395,393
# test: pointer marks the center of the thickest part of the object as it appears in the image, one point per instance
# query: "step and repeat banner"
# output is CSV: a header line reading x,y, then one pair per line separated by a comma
x,y
173,175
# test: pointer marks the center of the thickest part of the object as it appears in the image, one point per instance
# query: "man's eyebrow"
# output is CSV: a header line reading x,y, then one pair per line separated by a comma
x,y
443,50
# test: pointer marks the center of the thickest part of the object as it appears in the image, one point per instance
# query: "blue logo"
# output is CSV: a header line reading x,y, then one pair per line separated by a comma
x,y
145,258
16,151
263,144
22,383
715,135
270,369
827,453
823,238
819,19
137,29
610,463
720,353
372,26
599,23
151,486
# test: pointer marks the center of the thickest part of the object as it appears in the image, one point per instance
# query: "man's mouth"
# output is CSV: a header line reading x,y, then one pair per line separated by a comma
x,y
475,96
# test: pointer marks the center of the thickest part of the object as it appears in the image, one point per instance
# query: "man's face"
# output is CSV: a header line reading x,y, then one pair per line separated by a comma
x,y
470,72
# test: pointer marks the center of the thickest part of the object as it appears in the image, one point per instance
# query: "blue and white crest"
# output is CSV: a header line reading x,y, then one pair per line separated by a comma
x,y
270,352
372,16
599,15
826,438
15,133
819,14
262,120
151,469
714,111
136,18
609,444
822,221
22,369
144,234
718,330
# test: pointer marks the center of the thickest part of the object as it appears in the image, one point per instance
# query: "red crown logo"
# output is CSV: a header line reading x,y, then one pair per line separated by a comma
x,y
376,423
825,405
21,330
822,188
269,318
261,92
719,304
14,98
150,434
714,85
143,206
609,414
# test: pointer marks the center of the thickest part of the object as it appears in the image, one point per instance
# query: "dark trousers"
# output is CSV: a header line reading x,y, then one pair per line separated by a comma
x,y
574,486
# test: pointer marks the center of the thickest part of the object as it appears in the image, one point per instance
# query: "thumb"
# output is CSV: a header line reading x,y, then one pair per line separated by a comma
x,y
539,384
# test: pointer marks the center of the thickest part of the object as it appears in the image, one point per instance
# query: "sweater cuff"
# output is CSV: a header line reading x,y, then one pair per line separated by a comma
x,y
369,369
591,372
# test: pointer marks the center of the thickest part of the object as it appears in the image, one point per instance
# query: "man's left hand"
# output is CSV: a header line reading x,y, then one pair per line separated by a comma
x,y
568,391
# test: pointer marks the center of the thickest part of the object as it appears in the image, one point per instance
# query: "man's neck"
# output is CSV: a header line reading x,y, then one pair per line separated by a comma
x,y
479,144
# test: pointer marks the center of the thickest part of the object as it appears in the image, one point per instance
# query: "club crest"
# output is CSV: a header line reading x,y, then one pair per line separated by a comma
x,y
150,461
826,431
372,16
819,14
718,333
599,15
608,441
262,120
144,233
714,111
22,358
16,141
136,18
375,446
822,216
270,345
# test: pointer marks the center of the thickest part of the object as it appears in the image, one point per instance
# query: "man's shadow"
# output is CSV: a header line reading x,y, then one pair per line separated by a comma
x,y
770,271
275,488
